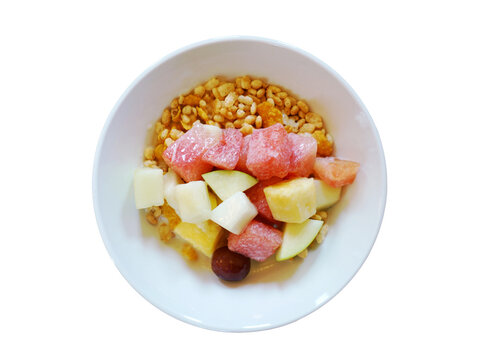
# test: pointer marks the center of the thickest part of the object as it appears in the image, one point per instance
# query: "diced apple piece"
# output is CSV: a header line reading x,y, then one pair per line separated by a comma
x,y
203,238
297,237
148,187
228,182
292,201
325,195
193,202
171,179
234,213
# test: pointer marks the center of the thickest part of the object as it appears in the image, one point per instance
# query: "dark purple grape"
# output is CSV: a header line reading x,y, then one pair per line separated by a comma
x,y
230,266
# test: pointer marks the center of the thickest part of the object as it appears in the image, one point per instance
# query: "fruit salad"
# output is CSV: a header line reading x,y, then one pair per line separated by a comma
x,y
240,171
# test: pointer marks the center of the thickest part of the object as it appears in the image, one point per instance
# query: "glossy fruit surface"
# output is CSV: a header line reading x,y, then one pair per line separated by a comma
x,y
269,153
241,163
230,266
257,197
257,241
225,154
336,172
303,151
184,155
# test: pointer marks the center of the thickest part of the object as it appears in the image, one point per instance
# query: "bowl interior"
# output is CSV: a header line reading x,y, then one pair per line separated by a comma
x,y
274,295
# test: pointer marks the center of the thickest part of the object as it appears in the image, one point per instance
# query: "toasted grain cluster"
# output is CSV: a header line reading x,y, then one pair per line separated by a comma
x,y
244,103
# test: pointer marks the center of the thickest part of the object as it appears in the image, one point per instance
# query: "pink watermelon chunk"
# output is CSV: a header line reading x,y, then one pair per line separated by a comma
x,y
269,153
336,172
241,164
225,154
302,159
258,198
257,241
184,156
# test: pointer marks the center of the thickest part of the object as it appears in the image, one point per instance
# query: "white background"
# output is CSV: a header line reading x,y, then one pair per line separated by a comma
x,y
64,65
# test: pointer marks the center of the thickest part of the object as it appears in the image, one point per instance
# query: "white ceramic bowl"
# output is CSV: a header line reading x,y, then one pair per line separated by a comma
x,y
272,295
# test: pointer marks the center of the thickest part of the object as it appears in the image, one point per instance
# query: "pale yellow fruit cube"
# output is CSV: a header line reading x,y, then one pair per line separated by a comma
x,y
203,238
148,187
234,213
193,202
292,201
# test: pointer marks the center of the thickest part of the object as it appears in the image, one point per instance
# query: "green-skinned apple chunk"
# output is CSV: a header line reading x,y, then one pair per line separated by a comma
x,y
297,237
225,183
325,195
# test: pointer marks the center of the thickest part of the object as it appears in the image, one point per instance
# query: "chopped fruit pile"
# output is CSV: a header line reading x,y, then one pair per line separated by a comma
x,y
260,185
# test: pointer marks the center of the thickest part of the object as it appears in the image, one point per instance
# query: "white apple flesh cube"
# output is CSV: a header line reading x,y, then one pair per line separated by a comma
x,y
148,187
325,195
228,182
193,202
234,213
297,237
171,179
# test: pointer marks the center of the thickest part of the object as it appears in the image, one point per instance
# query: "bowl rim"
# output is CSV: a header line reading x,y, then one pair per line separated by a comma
x,y
145,73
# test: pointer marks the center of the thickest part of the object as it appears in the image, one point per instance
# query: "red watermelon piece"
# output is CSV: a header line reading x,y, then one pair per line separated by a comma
x,y
303,154
258,198
225,154
257,241
241,164
269,153
184,156
336,172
